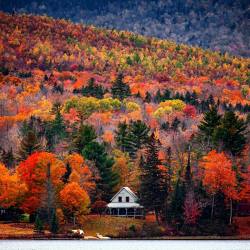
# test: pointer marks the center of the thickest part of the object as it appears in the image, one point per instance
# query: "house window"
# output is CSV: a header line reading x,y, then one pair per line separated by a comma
x,y
120,199
127,199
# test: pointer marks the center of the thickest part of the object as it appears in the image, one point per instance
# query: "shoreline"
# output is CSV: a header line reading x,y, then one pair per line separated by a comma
x,y
63,237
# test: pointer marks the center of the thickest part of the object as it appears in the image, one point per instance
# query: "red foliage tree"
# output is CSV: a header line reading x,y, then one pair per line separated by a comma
x,y
33,171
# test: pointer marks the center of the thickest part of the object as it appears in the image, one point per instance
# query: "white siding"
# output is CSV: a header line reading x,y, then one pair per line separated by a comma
x,y
124,193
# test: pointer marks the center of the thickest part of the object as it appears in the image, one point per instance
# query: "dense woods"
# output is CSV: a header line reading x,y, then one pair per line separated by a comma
x,y
215,24
85,111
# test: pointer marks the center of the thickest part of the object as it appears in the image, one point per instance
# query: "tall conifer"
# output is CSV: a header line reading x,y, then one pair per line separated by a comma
x,y
153,188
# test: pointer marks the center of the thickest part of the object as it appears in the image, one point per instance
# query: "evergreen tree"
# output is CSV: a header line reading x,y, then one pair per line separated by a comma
x,y
82,137
246,108
138,95
165,126
29,145
132,137
169,157
230,135
203,106
179,96
65,177
153,188
158,96
177,202
93,89
130,145
148,97
7,157
194,99
188,169
175,124
120,89
166,95
139,131
239,107
211,100
208,125
108,179
121,135
187,97
56,129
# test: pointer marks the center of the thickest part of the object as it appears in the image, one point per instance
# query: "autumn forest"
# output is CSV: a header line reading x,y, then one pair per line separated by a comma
x,y
85,111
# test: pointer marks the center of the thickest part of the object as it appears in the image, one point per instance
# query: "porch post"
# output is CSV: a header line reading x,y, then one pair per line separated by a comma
x,y
134,212
118,211
126,212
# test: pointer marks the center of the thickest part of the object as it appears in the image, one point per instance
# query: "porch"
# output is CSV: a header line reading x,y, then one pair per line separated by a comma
x,y
136,212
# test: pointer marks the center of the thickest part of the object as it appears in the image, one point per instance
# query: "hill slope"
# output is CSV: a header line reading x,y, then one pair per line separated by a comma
x,y
40,51
220,25
96,102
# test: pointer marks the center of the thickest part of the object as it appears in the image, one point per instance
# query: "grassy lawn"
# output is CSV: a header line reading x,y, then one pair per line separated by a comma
x,y
107,225
93,224
16,228
111,226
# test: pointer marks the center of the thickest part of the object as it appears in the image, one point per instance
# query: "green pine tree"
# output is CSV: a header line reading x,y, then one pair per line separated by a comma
x,y
7,157
188,176
139,131
130,138
108,178
153,189
209,124
82,137
177,202
93,89
148,97
56,129
230,135
120,89
166,95
158,97
121,134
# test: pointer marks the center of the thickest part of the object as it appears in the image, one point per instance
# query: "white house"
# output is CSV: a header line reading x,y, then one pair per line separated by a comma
x,y
125,203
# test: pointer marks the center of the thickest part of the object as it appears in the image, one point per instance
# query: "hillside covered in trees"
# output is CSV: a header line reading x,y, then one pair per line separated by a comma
x,y
215,24
85,111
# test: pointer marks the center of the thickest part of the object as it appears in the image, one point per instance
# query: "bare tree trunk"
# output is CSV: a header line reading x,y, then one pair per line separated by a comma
x,y
50,195
212,207
157,217
231,212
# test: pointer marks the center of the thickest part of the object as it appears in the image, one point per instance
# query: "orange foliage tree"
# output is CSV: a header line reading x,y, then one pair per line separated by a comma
x,y
219,177
75,200
11,188
80,172
33,172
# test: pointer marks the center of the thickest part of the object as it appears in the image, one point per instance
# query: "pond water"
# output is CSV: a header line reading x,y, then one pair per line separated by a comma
x,y
124,244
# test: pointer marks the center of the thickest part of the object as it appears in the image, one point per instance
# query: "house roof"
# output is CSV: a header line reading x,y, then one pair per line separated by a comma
x,y
128,190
